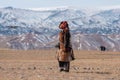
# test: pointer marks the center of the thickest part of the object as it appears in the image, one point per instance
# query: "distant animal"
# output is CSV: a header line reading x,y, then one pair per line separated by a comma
x,y
102,48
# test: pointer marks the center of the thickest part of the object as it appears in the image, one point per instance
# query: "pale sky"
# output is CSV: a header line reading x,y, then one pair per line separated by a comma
x,y
57,3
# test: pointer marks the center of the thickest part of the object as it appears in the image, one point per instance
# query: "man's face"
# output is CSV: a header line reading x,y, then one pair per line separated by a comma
x,y
63,25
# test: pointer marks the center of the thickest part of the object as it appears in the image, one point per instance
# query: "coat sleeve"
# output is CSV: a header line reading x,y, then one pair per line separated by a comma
x,y
61,40
57,55
61,37
72,54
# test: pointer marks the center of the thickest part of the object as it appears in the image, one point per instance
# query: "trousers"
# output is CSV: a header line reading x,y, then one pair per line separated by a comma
x,y
64,65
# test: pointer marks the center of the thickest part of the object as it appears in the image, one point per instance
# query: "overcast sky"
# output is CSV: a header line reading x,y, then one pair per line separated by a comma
x,y
57,3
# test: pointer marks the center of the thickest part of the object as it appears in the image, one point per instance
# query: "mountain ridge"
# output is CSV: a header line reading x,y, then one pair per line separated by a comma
x,y
42,28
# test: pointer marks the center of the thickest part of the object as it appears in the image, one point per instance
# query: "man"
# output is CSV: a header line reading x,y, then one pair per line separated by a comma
x,y
65,52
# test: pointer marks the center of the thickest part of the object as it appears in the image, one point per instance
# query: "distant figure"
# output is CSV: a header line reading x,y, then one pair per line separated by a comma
x,y
102,48
65,51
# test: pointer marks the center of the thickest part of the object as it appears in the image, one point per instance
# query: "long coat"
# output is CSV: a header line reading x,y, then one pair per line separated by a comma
x,y
65,56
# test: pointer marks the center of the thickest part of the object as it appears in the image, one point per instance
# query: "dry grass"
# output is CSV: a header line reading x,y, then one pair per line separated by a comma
x,y
42,65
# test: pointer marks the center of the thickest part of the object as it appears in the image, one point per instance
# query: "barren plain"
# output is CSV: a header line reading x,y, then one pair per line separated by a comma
x,y
42,65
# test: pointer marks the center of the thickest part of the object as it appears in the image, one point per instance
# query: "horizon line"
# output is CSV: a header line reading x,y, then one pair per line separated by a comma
x,y
71,7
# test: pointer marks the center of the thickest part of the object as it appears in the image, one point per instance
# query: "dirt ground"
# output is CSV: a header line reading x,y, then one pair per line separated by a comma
x,y
42,65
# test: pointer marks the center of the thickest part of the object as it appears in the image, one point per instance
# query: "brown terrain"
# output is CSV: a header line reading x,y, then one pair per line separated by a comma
x,y
42,65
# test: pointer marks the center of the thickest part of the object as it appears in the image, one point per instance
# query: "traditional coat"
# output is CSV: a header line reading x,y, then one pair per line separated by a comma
x,y
65,56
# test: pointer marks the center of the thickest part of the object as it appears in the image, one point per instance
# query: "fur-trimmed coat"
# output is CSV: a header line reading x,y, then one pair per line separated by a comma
x,y
65,52
65,56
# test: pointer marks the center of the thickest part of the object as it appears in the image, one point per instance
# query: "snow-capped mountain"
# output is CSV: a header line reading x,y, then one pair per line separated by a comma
x,y
29,29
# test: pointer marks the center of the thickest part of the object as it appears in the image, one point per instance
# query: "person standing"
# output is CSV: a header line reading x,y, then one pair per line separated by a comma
x,y
65,53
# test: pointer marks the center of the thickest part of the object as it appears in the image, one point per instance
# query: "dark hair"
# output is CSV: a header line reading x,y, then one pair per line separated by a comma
x,y
67,37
